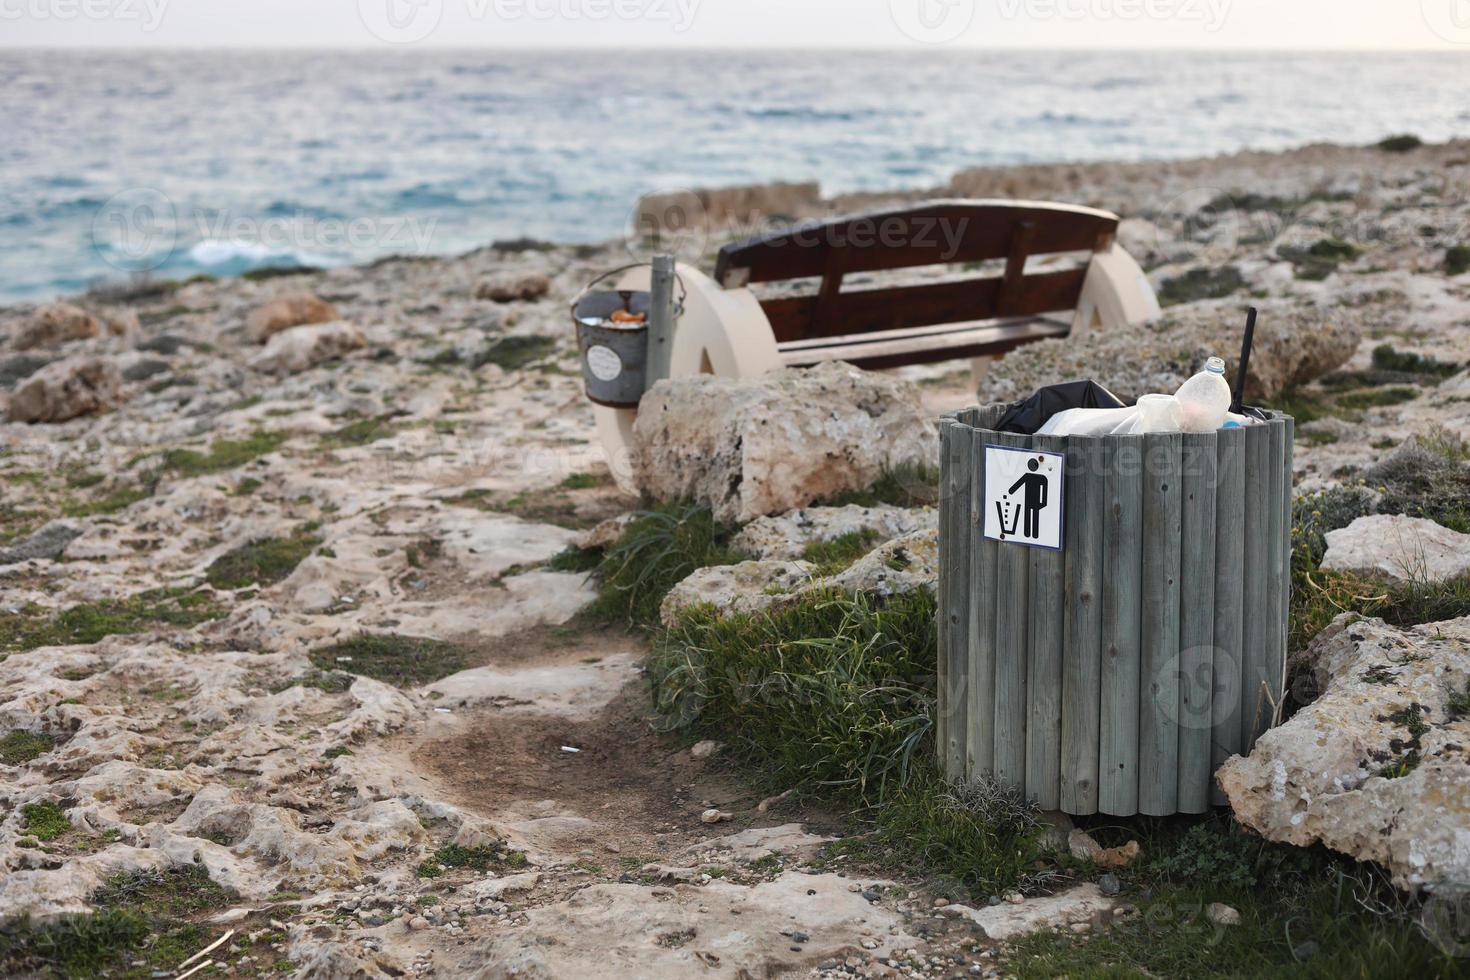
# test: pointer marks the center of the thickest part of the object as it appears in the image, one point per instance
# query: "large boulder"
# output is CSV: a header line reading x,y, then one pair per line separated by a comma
x,y
766,445
1378,766
66,389
1398,548
55,324
1293,345
285,312
298,348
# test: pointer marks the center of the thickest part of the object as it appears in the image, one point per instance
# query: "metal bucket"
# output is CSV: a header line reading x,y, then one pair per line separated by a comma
x,y
614,355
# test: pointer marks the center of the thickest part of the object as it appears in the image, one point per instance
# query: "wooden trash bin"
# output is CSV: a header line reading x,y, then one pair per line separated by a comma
x,y
1115,673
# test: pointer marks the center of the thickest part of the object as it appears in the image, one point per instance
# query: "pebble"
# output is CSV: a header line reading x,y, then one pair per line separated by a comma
x,y
1222,914
418,922
1109,884
713,815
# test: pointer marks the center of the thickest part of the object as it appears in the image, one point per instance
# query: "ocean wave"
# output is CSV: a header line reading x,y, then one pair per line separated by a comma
x,y
230,258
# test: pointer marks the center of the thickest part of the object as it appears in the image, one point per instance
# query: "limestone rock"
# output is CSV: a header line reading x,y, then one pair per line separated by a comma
x,y
295,349
895,567
1293,345
285,312
55,324
1376,766
746,587
68,388
508,287
788,535
1399,548
673,932
49,542
767,445
1012,920
1222,914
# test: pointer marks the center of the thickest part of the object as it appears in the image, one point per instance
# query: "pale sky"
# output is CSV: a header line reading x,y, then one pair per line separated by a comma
x,y
1217,24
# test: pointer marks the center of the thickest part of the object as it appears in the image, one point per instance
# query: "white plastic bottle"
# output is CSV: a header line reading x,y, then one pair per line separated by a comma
x,y
1204,400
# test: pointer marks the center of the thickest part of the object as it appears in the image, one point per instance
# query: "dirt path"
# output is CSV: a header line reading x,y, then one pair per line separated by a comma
x,y
625,879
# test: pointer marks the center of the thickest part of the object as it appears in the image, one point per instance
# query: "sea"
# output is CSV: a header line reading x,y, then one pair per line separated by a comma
x,y
169,164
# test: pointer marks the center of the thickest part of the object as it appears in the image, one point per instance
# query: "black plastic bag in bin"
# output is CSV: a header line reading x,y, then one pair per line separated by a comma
x,y
1026,417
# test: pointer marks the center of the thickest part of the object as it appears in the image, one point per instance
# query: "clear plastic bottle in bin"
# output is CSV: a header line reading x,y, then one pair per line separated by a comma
x,y
1204,400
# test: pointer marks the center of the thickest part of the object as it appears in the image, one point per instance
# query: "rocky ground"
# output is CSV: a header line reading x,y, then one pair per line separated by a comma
x,y
282,625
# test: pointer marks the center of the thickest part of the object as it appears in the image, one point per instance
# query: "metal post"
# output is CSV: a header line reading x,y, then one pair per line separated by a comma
x,y
660,320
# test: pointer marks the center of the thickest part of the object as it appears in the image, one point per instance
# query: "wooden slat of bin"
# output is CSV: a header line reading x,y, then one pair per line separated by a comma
x,y
1158,709
1229,671
947,428
953,672
1082,602
1287,500
1122,560
1254,708
1276,582
1196,619
1012,615
1044,672
981,663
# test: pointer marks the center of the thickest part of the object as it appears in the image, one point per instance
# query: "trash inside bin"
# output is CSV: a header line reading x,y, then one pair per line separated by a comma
x,y
1113,608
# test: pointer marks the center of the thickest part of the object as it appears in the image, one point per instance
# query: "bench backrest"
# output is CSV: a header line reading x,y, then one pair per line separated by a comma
x,y
953,232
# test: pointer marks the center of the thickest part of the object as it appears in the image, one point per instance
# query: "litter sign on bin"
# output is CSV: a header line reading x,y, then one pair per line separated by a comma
x,y
1023,496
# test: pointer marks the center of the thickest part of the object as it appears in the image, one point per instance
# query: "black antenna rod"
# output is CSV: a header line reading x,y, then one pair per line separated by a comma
x,y
1245,359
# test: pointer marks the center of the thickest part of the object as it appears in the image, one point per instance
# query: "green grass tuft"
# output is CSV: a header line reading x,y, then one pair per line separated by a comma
x,y
1457,260
1202,282
360,432
656,551
1400,143
835,691
835,555
405,661
34,627
575,559
44,821
19,747
223,454
514,353
260,562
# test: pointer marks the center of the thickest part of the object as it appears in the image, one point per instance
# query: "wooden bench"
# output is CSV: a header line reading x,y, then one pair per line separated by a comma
x,y
1014,272
980,315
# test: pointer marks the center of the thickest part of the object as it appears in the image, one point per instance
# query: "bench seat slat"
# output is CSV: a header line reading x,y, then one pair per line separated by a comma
x,y
912,347
793,318
935,232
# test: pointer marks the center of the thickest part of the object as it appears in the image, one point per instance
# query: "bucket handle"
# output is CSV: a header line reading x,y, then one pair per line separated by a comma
x,y
678,302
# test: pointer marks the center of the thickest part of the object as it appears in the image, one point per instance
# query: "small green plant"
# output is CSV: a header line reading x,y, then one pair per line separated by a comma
x,y
583,481
19,747
360,432
514,353
1201,282
405,661
33,627
223,454
657,550
260,562
1400,143
1320,259
1457,260
1386,358
834,555
44,821
575,559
